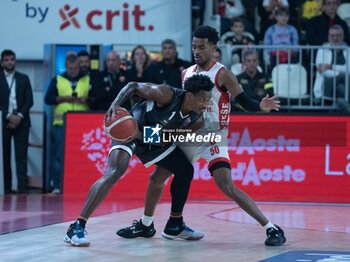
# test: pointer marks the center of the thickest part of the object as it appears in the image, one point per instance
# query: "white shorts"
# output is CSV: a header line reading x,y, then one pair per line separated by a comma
x,y
212,153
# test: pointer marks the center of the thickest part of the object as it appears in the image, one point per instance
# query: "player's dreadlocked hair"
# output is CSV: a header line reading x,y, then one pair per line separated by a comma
x,y
197,83
206,32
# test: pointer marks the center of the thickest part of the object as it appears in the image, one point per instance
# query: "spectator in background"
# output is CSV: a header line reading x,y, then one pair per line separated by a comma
x,y
333,69
237,36
16,99
233,8
85,68
306,11
281,33
250,7
267,10
198,8
229,9
254,83
168,71
138,70
218,55
84,62
293,7
108,83
67,92
310,9
318,26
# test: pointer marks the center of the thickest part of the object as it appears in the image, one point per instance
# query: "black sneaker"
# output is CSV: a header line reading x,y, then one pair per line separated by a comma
x,y
76,236
184,232
275,237
137,230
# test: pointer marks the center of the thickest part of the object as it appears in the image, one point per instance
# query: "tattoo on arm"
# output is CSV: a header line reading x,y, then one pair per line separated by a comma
x,y
161,94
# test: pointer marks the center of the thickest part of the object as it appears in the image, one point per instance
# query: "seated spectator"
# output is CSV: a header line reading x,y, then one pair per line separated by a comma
x,y
254,83
267,10
281,33
237,36
107,83
307,10
198,8
333,69
229,9
318,26
250,8
168,71
311,8
218,55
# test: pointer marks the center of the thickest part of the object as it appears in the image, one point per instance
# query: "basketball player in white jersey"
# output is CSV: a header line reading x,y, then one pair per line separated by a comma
x,y
216,119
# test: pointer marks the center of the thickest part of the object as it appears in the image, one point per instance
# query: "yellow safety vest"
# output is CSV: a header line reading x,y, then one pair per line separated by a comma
x,y
311,9
65,89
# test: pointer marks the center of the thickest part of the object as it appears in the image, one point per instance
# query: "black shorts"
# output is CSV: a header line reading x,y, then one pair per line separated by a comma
x,y
148,154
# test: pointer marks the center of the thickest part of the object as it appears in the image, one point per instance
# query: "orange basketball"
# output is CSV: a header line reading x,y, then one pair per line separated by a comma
x,y
120,127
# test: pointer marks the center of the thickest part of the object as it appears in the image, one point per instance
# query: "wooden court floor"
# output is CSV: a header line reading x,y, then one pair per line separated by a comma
x,y
32,228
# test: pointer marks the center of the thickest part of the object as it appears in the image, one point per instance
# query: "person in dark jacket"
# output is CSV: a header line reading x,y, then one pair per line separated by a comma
x,y
16,99
168,71
107,83
317,29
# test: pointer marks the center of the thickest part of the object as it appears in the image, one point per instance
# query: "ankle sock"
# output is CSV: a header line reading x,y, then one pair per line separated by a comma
x,y
146,220
269,225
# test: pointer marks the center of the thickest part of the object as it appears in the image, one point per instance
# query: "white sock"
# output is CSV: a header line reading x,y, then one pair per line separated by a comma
x,y
146,220
268,225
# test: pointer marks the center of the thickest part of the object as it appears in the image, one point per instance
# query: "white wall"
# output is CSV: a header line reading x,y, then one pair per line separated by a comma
x,y
39,22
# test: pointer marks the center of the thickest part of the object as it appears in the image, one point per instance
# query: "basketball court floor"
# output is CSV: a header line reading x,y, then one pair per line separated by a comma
x,y
32,228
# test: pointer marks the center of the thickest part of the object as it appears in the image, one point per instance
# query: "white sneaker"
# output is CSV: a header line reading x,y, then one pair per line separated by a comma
x,y
76,236
184,232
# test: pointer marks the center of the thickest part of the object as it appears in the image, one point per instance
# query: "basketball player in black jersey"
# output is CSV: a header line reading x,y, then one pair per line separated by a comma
x,y
204,45
162,106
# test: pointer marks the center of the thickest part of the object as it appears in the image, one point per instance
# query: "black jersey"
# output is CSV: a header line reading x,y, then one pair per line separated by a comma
x,y
147,113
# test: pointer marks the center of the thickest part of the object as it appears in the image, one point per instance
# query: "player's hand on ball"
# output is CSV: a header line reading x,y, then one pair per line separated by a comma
x,y
112,112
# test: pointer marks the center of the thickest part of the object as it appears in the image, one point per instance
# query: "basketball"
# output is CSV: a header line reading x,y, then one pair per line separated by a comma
x,y
120,127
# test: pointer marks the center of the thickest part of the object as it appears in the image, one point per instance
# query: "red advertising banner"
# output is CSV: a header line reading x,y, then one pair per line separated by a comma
x,y
273,158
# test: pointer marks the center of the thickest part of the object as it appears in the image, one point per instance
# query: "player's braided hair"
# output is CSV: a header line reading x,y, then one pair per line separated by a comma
x,y
197,83
206,32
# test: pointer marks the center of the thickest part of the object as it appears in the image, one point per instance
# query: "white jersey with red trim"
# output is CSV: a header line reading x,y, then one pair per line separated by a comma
x,y
217,113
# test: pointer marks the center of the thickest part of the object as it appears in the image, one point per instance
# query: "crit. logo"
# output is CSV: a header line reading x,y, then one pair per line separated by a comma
x,y
67,16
